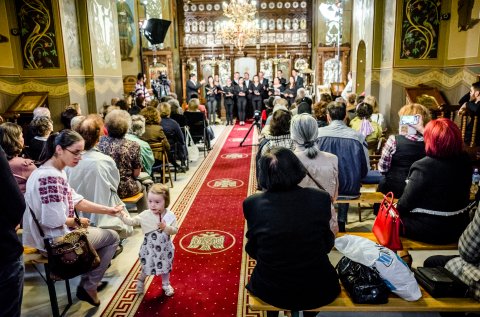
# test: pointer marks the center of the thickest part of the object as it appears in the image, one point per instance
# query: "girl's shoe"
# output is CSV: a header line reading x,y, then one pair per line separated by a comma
x,y
168,289
140,287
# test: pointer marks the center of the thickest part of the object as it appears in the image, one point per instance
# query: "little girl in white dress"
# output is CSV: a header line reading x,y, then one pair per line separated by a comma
x,y
158,223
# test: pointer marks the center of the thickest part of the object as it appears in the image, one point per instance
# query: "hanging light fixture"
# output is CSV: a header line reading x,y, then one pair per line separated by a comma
x,y
241,28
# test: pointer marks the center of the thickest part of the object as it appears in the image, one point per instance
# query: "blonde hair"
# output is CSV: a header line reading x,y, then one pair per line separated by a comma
x,y
372,101
416,108
165,110
161,189
193,104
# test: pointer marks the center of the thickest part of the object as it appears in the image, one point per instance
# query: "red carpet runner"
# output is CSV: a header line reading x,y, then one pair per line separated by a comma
x,y
208,247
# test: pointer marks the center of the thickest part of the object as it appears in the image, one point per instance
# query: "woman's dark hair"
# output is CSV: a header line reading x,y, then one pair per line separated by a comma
x,y
280,169
67,116
280,124
65,138
360,99
364,110
122,104
337,110
10,134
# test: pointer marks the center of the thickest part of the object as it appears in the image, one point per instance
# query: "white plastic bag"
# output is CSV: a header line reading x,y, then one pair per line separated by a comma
x,y
396,274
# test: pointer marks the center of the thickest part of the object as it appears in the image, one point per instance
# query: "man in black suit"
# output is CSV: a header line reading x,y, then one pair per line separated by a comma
x,y
298,79
193,86
283,81
264,82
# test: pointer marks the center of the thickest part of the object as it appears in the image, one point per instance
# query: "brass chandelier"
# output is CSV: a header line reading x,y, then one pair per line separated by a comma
x,y
241,26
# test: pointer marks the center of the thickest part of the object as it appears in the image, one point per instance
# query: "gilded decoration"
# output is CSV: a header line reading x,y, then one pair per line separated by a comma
x,y
420,29
37,34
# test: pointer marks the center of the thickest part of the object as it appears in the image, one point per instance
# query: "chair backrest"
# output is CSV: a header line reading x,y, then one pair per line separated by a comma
x,y
196,122
158,150
463,128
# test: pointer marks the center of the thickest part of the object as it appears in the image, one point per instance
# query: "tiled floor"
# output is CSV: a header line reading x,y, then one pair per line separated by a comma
x,y
36,301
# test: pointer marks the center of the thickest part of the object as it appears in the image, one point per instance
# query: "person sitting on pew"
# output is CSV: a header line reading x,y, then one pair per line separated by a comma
x,y
11,140
364,124
289,236
433,204
96,177
401,151
42,127
472,106
465,266
322,167
351,149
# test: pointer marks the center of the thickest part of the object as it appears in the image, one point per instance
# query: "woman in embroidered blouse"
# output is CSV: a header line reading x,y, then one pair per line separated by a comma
x,y
433,204
50,198
11,140
124,152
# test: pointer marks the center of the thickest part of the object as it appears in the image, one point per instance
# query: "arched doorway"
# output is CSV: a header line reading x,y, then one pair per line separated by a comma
x,y
361,56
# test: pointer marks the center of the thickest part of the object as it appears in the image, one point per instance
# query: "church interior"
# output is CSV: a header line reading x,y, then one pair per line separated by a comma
x,y
58,53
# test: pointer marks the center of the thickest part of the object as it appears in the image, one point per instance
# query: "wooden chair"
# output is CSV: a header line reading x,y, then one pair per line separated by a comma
x,y
463,127
161,155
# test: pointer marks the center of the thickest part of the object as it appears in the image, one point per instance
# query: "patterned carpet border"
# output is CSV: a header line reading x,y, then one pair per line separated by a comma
x,y
247,263
125,301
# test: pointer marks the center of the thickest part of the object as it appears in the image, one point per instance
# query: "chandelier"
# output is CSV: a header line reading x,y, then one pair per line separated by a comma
x,y
241,27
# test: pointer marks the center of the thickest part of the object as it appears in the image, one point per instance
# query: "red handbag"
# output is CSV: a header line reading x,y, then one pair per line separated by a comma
x,y
386,227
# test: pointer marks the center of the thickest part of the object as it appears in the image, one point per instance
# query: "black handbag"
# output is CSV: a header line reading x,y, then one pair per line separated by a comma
x,y
363,284
440,282
69,255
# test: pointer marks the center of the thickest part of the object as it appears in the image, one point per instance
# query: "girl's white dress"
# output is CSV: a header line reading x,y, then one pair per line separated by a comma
x,y
157,250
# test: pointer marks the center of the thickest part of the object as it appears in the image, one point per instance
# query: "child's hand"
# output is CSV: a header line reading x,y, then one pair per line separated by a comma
x,y
162,225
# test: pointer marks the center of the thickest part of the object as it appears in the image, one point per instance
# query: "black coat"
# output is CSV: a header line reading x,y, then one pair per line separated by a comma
x,y
289,236
11,213
192,88
441,185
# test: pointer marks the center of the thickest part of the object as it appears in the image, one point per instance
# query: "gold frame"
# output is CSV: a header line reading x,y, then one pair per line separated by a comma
x,y
27,102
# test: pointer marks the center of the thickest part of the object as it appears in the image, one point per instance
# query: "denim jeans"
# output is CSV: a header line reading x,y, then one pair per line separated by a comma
x,y
11,287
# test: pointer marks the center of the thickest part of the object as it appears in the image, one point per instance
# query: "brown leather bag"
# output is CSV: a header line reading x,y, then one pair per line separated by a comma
x,y
69,255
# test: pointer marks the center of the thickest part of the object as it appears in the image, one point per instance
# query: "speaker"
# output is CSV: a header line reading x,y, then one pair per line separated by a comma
x,y
155,30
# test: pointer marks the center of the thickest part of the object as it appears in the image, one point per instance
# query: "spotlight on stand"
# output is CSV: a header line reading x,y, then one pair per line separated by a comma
x,y
155,30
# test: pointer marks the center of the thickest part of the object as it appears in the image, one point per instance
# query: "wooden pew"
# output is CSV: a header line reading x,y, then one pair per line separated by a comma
x,y
134,199
407,243
364,198
343,303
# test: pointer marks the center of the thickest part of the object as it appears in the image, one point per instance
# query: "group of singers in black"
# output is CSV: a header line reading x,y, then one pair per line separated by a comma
x,y
246,94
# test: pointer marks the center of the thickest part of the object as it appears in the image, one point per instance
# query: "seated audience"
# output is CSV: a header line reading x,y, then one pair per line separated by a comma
x,y
76,121
11,263
401,151
37,112
350,148
351,105
174,135
322,167
197,106
96,177
376,115
51,199
153,130
472,106
135,133
465,266
364,124
193,106
125,153
320,113
279,132
176,112
66,117
288,217
433,204
11,140
41,127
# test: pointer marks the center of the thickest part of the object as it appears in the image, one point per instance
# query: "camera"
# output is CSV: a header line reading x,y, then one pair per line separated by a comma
x,y
257,115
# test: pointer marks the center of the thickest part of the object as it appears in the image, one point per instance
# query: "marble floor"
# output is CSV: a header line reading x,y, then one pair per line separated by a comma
x,y
36,301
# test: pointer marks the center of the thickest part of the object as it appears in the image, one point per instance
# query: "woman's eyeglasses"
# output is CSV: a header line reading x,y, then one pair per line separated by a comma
x,y
76,154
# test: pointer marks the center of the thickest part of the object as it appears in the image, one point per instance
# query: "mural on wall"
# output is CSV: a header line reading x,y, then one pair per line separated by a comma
x,y
37,34
102,29
420,26
465,10
388,30
464,31
126,29
71,35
